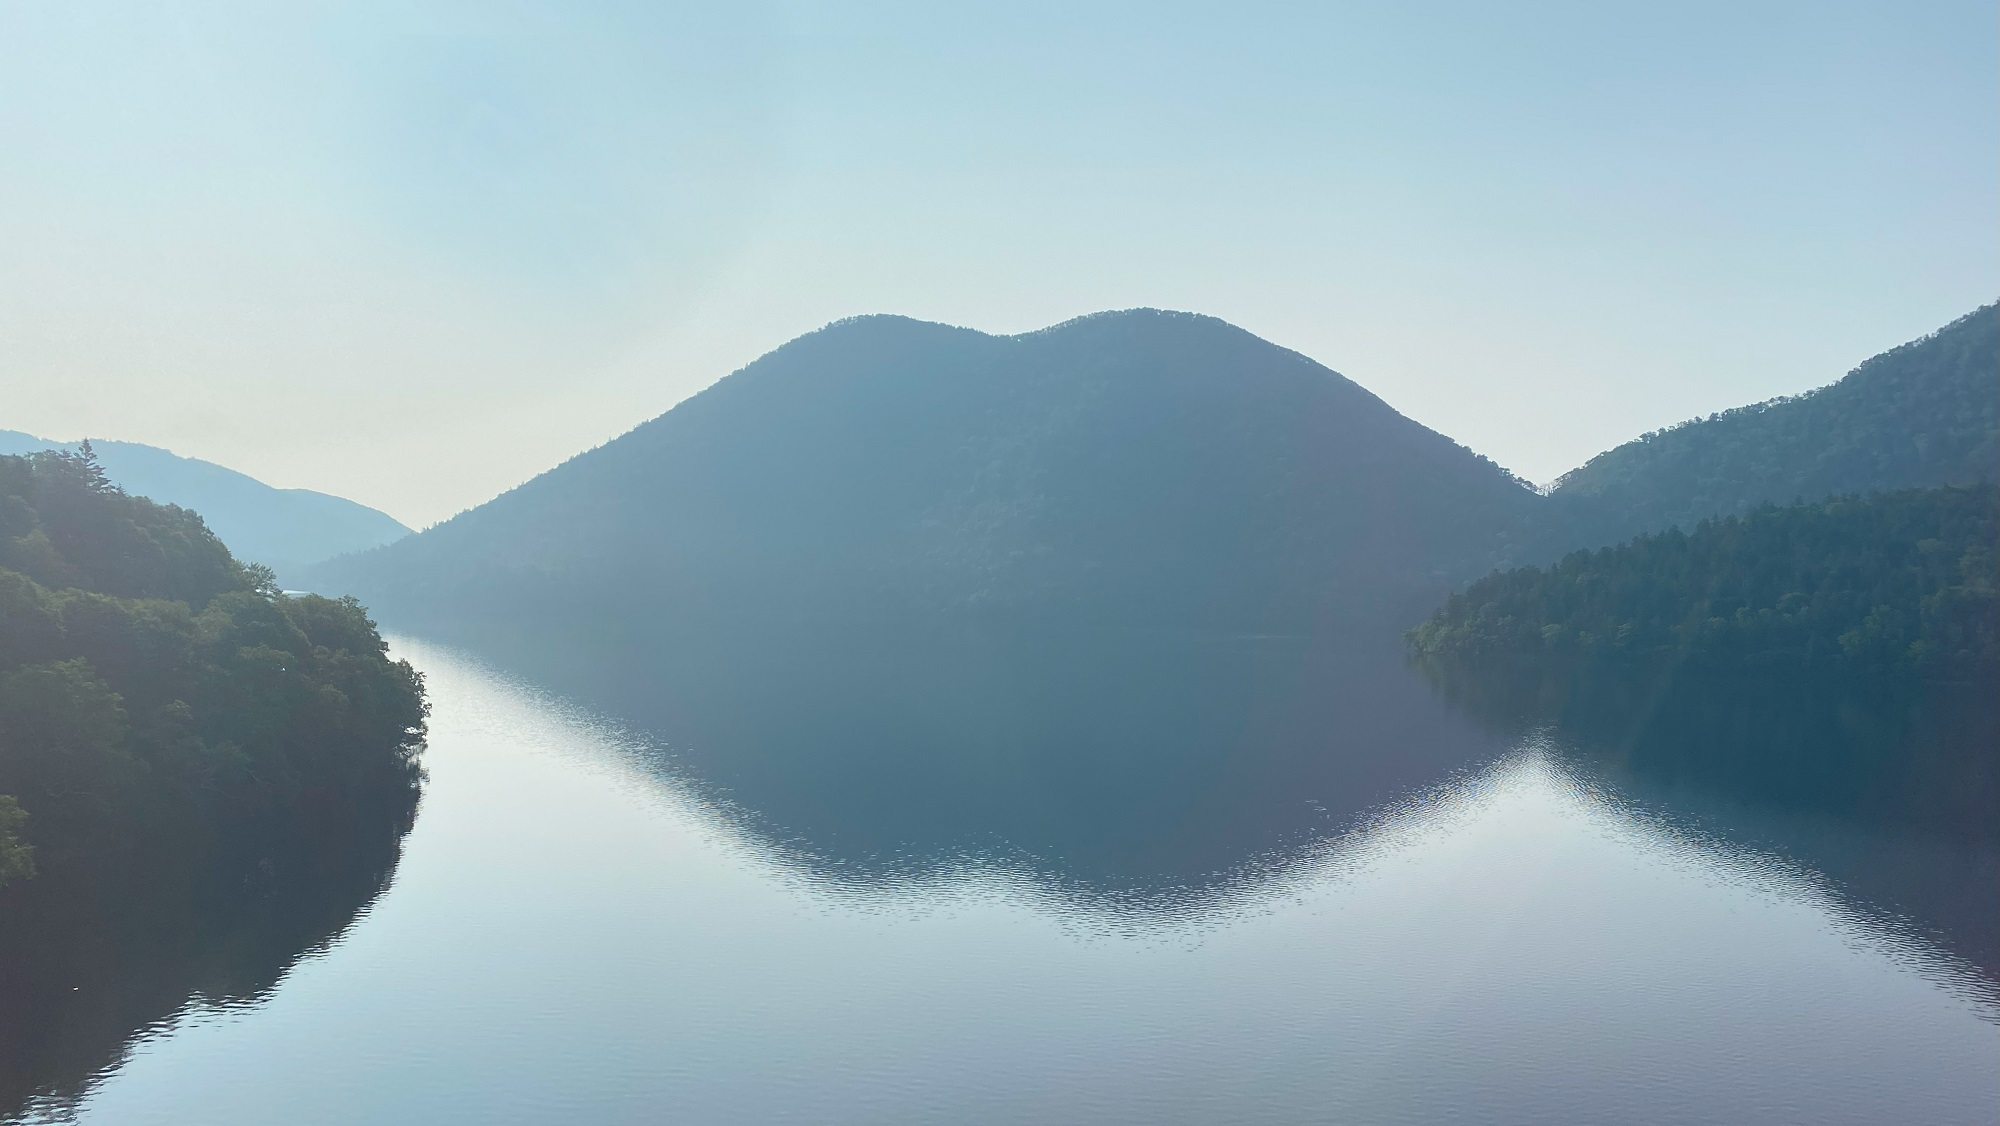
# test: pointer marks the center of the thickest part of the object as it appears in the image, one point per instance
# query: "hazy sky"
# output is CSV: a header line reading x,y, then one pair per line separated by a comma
x,y
414,252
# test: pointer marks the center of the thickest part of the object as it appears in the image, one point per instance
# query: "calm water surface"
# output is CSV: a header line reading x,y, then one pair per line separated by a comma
x,y
1196,890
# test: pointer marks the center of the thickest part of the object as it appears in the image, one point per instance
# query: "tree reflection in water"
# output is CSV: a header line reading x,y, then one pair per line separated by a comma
x,y
1890,789
87,966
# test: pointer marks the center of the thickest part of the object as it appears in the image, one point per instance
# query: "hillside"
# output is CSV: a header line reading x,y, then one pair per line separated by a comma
x,y
1895,584
154,690
1145,467
1924,414
284,529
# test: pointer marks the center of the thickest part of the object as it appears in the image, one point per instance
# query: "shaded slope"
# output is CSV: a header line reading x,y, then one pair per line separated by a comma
x,y
1894,585
1144,467
284,529
1921,415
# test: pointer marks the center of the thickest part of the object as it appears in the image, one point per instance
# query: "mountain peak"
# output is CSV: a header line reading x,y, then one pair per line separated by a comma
x,y
1141,465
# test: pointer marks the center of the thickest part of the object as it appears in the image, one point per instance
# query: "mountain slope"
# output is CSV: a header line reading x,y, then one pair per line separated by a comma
x,y
284,529
1144,467
1921,415
1896,584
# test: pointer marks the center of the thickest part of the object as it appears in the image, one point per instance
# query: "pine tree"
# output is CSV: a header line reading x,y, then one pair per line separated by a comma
x,y
94,477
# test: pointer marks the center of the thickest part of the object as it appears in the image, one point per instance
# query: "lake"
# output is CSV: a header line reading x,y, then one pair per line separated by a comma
x,y
1033,879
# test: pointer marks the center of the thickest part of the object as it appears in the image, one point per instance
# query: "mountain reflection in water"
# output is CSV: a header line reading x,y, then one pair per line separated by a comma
x,y
1149,770
1889,790
1163,771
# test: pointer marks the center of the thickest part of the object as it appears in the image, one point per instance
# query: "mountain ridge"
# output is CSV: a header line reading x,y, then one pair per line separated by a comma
x,y
284,529
1922,414
1153,466
1141,460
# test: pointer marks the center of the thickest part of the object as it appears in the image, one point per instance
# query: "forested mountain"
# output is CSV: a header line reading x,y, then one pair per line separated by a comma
x,y
1834,655
284,529
1924,414
1143,467
1894,584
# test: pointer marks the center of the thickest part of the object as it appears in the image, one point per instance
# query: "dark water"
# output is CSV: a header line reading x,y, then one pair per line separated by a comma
x,y
982,877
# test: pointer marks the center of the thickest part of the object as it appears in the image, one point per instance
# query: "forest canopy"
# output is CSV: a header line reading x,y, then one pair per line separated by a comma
x,y
163,704
1897,584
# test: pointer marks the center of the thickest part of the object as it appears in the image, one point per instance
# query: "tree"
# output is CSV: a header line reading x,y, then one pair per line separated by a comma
x,y
92,471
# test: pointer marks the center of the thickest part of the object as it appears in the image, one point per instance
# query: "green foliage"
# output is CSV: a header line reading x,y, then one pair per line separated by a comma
x,y
63,524
1921,415
286,529
163,706
17,860
1894,585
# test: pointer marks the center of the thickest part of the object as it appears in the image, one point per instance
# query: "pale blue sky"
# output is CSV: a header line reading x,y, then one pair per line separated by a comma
x,y
415,252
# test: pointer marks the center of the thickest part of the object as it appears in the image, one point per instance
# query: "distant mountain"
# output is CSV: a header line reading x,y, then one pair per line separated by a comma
x,y
1922,415
1144,467
284,529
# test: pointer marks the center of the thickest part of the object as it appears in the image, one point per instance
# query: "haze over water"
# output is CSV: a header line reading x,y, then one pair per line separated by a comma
x,y
652,902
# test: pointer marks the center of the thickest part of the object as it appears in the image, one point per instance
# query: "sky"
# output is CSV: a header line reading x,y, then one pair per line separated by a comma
x,y
414,253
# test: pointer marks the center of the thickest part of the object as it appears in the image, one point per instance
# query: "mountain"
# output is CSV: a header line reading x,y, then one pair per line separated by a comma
x,y
284,529
1922,415
1142,467
1832,656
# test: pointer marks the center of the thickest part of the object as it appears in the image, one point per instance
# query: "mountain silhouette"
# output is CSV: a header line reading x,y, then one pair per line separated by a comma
x,y
1144,468
1921,415
284,529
